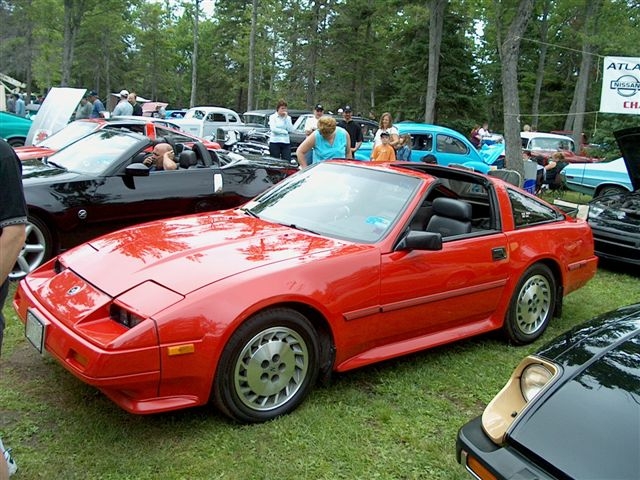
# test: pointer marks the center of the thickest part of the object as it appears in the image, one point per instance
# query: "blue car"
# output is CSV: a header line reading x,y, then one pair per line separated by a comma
x,y
447,145
597,178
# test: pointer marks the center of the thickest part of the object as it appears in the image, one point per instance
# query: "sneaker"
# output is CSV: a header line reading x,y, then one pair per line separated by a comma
x,y
11,463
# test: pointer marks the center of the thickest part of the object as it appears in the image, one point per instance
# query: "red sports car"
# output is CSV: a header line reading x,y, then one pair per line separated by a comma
x,y
339,266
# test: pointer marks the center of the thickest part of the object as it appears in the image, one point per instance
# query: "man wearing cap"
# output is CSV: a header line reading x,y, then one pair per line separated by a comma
x,y
98,106
355,132
311,124
123,107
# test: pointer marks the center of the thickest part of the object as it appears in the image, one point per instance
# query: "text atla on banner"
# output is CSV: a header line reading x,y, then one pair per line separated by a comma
x,y
621,85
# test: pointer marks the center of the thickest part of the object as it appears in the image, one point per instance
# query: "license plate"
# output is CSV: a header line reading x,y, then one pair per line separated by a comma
x,y
34,330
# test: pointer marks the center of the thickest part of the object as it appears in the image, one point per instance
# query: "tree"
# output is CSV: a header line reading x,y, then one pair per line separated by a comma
x,y
436,20
509,50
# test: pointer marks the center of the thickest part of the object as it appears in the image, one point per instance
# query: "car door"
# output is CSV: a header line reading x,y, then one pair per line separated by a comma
x,y
429,292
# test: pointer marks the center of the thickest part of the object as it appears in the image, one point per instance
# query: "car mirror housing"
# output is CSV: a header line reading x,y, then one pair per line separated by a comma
x,y
137,170
417,240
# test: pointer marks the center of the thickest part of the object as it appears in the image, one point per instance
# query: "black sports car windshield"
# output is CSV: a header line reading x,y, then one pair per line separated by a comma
x,y
98,152
339,200
68,135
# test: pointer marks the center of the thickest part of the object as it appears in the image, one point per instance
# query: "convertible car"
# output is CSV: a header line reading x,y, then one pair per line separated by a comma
x,y
615,218
97,185
151,127
571,410
339,266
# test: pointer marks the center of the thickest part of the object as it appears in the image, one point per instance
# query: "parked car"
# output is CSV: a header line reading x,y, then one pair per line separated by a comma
x,y
170,114
151,127
254,130
546,144
98,185
14,129
597,179
204,121
447,145
249,307
571,410
615,218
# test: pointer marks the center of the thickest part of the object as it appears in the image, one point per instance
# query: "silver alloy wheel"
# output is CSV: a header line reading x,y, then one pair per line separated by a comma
x,y
271,368
534,304
32,254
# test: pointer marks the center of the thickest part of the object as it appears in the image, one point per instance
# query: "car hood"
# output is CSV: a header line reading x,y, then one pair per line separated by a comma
x,y
587,425
35,171
187,253
629,143
620,211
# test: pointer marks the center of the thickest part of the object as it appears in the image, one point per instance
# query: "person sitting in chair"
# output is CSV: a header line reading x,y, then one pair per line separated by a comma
x,y
161,158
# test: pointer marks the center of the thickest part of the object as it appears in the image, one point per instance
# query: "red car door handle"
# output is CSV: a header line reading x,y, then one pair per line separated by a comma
x,y
499,253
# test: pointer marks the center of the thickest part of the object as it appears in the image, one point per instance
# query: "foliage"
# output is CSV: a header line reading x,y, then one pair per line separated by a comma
x,y
370,55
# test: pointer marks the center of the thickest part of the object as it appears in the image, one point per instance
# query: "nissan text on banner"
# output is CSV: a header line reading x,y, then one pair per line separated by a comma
x,y
621,85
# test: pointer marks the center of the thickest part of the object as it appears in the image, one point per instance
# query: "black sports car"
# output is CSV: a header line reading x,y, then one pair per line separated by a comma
x,y
570,411
99,184
615,218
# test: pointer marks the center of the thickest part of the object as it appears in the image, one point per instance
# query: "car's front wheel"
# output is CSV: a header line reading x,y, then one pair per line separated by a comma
x,y
268,366
37,249
532,305
610,190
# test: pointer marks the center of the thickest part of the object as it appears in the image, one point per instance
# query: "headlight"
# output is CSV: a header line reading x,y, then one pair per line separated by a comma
x,y
534,378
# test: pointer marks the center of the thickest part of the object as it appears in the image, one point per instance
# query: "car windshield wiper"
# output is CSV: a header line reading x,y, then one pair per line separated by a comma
x,y
298,227
250,213
57,165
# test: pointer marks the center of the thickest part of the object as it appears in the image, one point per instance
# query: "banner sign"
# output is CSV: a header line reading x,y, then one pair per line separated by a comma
x,y
621,85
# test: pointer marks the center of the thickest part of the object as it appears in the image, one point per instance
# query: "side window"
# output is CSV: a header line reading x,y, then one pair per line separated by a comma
x,y
422,142
198,114
528,211
448,144
368,132
216,117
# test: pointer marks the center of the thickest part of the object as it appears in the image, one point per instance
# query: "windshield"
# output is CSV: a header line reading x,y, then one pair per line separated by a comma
x,y
68,134
551,144
339,200
256,119
97,152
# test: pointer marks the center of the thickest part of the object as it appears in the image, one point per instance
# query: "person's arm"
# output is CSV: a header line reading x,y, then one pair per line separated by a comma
x,y
308,126
11,242
304,148
273,126
374,153
348,153
394,138
168,162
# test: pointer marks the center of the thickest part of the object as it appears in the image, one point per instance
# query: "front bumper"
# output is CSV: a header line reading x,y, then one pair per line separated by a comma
x,y
485,460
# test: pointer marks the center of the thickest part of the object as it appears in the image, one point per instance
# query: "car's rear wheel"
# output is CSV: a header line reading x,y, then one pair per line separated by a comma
x,y
16,142
532,305
37,249
610,190
268,366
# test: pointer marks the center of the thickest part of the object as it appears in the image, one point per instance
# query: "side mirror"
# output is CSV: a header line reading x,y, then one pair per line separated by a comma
x,y
137,170
418,240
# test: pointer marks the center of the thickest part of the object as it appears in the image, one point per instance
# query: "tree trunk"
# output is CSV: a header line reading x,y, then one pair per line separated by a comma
x,y
582,85
509,51
252,56
436,21
194,55
544,28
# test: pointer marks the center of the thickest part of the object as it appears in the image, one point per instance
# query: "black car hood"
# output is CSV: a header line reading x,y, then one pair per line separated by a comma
x,y
629,143
588,425
35,171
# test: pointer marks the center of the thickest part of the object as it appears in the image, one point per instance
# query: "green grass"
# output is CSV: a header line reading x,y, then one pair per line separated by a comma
x,y
396,420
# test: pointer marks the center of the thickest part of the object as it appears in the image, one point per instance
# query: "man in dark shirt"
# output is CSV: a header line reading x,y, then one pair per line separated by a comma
x,y
353,127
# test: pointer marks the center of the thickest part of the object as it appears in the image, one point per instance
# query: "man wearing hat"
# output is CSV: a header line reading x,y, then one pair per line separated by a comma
x,y
98,106
353,127
311,125
123,107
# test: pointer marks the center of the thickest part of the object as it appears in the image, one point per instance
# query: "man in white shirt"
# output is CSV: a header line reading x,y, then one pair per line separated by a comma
x,y
311,124
123,107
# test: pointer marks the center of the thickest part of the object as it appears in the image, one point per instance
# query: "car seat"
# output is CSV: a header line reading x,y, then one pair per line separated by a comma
x,y
450,217
187,159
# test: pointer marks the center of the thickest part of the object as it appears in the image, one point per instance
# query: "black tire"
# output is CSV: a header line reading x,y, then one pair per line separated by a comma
x,y
268,367
37,249
610,190
531,306
17,142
